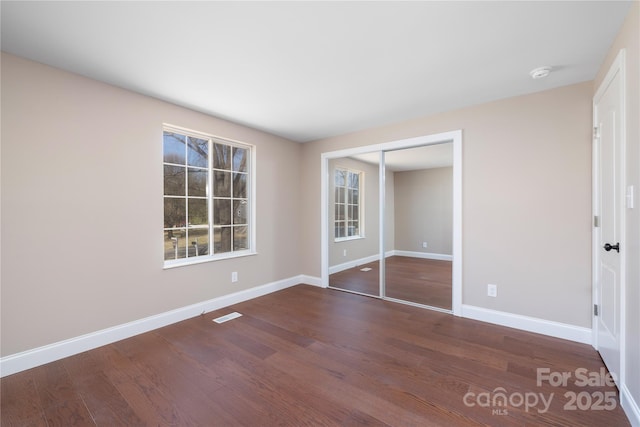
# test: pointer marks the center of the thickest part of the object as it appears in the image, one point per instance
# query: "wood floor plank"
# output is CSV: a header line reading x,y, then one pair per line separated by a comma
x,y
284,398
257,391
61,402
54,384
330,386
189,384
380,371
71,412
307,356
279,332
102,399
19,401
149,402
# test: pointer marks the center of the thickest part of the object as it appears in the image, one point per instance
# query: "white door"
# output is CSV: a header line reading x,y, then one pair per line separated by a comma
x,y
608,248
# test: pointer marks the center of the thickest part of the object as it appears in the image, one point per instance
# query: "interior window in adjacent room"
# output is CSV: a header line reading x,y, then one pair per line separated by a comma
x,y
348,206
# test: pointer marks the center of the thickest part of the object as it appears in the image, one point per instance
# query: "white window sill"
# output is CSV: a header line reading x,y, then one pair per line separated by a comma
x,y
346,239
202,259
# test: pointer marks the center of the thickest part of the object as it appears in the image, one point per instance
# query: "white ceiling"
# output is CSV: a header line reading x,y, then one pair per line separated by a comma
x,y
309,70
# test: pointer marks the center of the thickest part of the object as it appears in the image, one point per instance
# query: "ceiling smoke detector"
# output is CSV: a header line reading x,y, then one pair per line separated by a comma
x,y
540,72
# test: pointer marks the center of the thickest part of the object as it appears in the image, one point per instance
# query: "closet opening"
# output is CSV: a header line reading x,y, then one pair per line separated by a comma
x,y
391,221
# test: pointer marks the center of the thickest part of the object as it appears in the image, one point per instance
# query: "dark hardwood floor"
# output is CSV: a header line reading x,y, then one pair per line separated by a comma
x,y
307,356
423,281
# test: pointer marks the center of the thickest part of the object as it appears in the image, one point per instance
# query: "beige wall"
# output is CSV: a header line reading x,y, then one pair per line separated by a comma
x,y
629,38
526,199
424,210
82,208
370,244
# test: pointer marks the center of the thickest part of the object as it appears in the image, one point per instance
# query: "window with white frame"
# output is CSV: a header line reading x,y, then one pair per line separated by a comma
x,y
348,207
207,197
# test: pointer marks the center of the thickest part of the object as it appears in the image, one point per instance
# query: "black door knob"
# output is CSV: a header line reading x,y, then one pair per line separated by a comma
x,y
608,247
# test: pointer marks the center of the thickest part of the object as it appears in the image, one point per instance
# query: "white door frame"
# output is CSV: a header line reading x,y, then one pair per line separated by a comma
x,y
453,136
617,68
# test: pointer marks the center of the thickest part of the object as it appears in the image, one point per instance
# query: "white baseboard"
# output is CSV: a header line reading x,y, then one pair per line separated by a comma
x,y
310,280
530,324
350,264
39,356
630,406
424,255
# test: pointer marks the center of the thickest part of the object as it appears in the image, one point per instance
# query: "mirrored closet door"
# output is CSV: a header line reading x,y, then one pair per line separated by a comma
x,y
353,223
419,225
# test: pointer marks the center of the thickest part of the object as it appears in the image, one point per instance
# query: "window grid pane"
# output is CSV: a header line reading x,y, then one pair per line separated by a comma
x,y
175,244
174,177
198,152
197,182
198,239
174,148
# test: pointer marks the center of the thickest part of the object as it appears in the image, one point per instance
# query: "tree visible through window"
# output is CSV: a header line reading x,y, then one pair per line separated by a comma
x,y
206,196
347,203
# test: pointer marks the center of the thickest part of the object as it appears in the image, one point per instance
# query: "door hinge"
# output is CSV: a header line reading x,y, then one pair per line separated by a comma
x,y
595,309
596,131
596,221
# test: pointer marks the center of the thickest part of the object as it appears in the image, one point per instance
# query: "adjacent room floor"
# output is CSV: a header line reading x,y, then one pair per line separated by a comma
x,y
312,356
418,280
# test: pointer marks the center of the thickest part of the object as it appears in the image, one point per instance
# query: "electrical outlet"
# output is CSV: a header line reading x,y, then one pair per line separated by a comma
x,y
492,290
344,253
424,245
234,277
